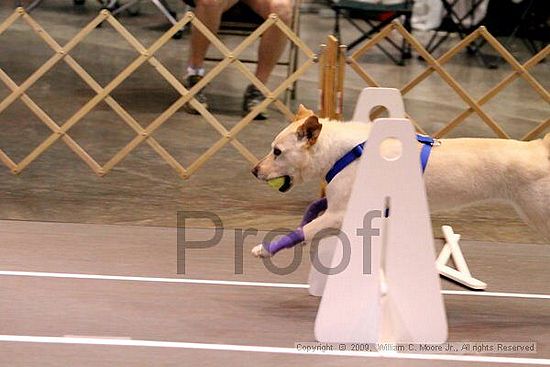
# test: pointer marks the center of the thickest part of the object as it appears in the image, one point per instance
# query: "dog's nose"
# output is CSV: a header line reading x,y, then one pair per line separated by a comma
x,y
255,171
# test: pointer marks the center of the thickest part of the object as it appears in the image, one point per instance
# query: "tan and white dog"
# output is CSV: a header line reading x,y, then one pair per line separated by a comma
x,y
459,172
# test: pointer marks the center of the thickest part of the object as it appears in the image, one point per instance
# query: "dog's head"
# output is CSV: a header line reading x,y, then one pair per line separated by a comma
x,y
291,151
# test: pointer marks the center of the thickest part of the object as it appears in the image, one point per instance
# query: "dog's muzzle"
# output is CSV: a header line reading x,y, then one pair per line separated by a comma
x,y
281,183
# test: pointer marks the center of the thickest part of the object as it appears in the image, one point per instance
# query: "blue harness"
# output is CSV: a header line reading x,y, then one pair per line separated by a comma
x,y
427,141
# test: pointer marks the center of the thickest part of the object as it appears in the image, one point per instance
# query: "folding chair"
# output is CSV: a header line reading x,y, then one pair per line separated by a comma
x,y
462,25
162,5
240,20
376,16
114,6
31,5
527,20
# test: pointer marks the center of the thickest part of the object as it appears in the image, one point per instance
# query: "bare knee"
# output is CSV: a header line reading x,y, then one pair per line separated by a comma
x,y
217,5
283,8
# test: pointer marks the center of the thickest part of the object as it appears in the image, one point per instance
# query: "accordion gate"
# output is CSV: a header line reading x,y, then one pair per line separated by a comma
x,y
333,63
60,131
436,65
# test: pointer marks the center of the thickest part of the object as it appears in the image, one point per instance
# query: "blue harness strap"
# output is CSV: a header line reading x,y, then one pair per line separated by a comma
x,y
343,162
427,144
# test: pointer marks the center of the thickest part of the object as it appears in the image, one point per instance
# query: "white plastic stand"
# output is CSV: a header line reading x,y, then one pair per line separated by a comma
x,y
452,249
391,99
390,290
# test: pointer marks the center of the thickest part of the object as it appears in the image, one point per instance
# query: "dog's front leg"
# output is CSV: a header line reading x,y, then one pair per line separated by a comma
x,y
329,219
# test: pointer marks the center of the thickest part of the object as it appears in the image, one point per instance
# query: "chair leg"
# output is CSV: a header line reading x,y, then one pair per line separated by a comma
x,y
121,8
336,30
112,5
292,69
436,45
31,6
294,51
405,46
165,10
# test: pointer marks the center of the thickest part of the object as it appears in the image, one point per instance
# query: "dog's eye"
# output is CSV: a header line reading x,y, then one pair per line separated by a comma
x,y
276,152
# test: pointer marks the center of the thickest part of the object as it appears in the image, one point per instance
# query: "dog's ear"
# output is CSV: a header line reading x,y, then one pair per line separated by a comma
x,y
309,130
302,113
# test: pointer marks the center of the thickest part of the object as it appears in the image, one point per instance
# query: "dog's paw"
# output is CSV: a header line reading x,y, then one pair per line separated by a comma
x,y
260,251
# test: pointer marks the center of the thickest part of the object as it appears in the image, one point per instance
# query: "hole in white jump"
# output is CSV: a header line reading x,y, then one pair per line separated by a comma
x,y
391,149
378,112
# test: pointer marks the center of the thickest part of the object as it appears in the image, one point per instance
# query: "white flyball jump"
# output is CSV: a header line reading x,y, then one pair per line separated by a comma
x,y
389,291
452,250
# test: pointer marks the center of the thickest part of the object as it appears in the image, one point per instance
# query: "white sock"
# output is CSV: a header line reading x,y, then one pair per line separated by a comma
x,y
195,71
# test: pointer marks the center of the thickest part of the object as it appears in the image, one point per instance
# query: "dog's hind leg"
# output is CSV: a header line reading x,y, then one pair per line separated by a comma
x,y
533,205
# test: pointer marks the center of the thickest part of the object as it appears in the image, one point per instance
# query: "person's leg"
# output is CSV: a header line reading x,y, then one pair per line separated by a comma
x,y
208,12
273,41
272,45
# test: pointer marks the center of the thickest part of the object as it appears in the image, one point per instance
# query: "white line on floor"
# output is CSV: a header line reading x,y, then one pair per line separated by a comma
x,y
95,337
259,349
150,279
238,283
496,294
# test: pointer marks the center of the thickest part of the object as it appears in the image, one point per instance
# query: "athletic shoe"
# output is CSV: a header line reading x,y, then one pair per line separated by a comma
x,y
189,82
252,98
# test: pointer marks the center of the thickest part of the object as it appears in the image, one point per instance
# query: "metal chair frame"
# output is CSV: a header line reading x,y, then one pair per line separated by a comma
x,y
351,10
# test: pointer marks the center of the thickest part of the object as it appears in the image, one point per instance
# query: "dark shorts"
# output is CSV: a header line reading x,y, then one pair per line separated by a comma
x,y
239,11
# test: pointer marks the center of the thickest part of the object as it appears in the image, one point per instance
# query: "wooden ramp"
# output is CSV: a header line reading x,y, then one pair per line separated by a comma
x,y
99,295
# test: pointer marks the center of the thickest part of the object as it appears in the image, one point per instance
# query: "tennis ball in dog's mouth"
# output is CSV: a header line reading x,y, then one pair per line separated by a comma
x,y
277,182
281,183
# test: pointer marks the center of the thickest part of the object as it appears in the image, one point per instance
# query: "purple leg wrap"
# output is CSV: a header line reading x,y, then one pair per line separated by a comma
x,y
287,241
313,211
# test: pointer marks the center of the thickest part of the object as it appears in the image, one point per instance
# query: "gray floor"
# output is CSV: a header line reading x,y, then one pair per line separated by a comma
x,y
261,315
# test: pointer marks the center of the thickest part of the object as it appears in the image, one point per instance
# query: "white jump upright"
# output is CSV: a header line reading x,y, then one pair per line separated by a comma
x,y
389,290
390,98
452,250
